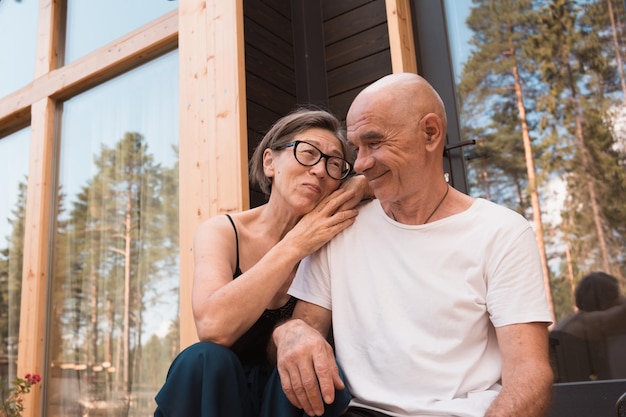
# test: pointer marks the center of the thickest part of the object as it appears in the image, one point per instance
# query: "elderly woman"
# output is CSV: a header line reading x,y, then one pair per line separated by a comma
x,y
244,264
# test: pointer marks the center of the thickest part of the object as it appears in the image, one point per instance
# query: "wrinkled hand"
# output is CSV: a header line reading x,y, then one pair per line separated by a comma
x,y
361,188
331,215
306,365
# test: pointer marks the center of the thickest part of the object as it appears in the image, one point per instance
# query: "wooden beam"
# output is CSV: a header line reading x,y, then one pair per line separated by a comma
x,y
31,344
401,41
213,138
105,63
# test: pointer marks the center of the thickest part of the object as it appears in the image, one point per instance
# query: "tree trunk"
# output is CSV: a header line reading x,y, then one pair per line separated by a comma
x,y
591,185
532,186
127,238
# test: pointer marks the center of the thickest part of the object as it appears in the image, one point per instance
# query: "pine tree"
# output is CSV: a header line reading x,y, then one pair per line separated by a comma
x,y
576,65
498,73
120,241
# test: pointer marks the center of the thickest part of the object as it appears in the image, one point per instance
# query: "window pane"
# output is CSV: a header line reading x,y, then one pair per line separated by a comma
x,y
13,171
114,318
543,92
92,24
18,27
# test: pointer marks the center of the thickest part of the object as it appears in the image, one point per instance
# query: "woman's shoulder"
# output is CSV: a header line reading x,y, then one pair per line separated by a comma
x,y
222,220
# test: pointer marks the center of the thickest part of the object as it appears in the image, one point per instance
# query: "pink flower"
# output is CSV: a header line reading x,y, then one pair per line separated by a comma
x,y
11,397
32,379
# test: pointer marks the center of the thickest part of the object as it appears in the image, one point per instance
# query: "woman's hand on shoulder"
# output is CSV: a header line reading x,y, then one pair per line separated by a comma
x,y
362,191
331,216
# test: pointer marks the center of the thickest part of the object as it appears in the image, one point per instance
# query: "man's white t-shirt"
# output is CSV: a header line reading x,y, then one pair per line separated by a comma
x,y
414,307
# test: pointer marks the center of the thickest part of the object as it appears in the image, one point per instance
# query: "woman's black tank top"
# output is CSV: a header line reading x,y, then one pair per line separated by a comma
x,y
251,347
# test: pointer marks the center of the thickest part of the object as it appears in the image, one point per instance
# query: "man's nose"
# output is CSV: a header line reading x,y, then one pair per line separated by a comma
x,y
363,162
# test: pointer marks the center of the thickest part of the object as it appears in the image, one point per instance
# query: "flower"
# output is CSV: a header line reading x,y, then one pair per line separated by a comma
x,y
12,397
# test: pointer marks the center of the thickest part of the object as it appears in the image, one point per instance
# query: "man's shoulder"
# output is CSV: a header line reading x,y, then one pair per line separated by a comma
x,y
493,211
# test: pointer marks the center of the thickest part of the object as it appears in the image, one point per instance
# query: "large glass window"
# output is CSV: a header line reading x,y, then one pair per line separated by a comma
x,y
18,41
92,24
113,322
13,171
542,90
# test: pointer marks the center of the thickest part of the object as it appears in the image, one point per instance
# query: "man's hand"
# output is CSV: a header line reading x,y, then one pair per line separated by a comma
x,y
306,365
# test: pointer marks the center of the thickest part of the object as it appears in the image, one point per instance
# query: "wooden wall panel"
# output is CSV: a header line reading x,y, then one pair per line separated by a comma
x,y
357,48
280,6
335,8
355,21
346,51
271,20
213,137
270,74
346,82
359,73
273,72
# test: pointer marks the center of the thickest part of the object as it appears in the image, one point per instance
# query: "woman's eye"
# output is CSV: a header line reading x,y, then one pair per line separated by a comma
x,y
336,163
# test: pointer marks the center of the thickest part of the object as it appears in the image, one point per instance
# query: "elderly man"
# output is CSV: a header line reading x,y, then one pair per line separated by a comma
x,y
436,298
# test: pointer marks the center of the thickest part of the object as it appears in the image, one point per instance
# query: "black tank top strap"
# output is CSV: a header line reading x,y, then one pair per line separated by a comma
x,y
237,269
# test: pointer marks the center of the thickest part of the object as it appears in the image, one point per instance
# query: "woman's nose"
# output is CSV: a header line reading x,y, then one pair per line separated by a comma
x,y
319,169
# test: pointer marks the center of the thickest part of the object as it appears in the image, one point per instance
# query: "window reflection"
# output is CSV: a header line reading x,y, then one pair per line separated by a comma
x,y
542,91
590,344
18,22
114,318
92,24
13,171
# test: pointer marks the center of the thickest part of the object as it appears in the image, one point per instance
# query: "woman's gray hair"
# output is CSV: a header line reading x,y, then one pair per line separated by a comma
x,y
284,131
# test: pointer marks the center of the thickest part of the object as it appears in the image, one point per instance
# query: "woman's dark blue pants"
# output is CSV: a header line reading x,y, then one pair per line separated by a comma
x,y
208,380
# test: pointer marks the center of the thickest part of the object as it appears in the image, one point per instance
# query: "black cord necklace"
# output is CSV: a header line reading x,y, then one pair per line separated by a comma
x,y
435,209
438,204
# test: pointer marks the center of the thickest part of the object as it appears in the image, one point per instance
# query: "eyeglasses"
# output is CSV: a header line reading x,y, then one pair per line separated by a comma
x,y
309,155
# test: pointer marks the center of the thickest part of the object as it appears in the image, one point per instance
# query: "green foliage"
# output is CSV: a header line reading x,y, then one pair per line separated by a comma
x,y
567,63
12,396
11,278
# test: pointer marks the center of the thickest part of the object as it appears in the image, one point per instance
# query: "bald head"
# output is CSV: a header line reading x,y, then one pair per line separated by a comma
x,y
405,95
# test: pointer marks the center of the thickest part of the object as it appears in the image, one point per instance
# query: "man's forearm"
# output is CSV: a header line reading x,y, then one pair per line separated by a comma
x,y
529,398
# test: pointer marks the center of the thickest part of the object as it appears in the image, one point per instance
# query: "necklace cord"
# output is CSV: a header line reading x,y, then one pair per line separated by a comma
x,y
438,204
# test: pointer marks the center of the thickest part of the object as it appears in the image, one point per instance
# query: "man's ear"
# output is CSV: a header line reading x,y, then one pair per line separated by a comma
x,y
268,163
431,126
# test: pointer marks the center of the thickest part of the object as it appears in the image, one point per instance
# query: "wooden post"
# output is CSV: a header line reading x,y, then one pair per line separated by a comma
x,y
31,346
401,41
213,138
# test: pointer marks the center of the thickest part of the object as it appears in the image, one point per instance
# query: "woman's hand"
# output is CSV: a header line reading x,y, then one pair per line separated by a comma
x,y
362,191
332,215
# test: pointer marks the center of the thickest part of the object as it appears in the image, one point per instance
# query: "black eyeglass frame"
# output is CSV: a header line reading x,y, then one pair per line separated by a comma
x,y
324,156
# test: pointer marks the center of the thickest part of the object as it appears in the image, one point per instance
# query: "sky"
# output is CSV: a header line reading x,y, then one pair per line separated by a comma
x,y
457,12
